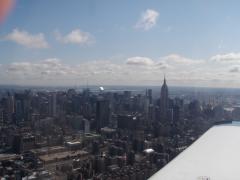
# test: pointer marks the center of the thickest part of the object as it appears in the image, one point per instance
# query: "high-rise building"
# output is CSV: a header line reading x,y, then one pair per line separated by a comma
x,y
149,105
164,101
102,113
53,104
86,126
149,95
20,109
10,103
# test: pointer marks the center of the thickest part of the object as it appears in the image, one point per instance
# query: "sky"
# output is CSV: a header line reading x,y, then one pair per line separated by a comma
x,y
60,42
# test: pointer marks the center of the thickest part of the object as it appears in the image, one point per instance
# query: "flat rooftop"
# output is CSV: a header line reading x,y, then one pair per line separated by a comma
x,y
63,156
214,156
45,150
7,157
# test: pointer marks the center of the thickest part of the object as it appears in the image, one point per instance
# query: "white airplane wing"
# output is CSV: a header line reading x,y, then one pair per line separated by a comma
x,y
214,156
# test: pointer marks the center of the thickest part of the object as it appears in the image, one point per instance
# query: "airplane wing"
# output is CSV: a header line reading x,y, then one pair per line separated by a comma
x,y
214,156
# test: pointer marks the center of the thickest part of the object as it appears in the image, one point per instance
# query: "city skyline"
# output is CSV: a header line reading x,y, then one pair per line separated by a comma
x,y
193,43
71,134
119,90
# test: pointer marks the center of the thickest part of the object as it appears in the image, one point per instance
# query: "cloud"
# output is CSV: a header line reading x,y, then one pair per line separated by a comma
x,y
179,60
229,57
134,70
148,20
75,37
18,67
26,39
52,62
47,70
234,70
138,70
139,61
146,62
162,65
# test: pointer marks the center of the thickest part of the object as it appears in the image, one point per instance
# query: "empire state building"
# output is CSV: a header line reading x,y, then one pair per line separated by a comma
x,y
164,101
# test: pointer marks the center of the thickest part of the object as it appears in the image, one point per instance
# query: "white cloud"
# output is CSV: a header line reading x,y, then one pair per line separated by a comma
x,y
26,39
148,20
179,60
50,65
19,67
180,70
75,37
234,70
139,61
229,57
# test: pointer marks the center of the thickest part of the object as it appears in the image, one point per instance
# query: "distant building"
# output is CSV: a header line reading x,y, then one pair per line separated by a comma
x,y
127,94
126,121
102,113
23,143
86,126
149,95
53,104
20,108
164,101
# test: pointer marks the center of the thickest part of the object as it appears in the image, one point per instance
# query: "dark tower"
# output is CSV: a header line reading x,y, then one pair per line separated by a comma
x,y
102,113
164,101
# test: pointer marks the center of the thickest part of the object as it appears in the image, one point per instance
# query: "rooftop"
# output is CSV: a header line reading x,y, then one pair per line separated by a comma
x,y
62,155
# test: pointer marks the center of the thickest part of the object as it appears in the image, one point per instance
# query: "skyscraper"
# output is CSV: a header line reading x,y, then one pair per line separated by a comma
x,y
102,113
164,101
53,104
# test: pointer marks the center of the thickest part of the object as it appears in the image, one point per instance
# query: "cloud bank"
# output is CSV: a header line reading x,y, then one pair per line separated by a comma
x,y
138,70
142,61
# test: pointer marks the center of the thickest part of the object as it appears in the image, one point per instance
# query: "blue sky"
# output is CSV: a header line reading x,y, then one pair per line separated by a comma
x,y
86,32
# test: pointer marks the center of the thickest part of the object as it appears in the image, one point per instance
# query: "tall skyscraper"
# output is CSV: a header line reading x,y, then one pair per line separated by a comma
x,y
53,104
102,113
164,101
149,95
